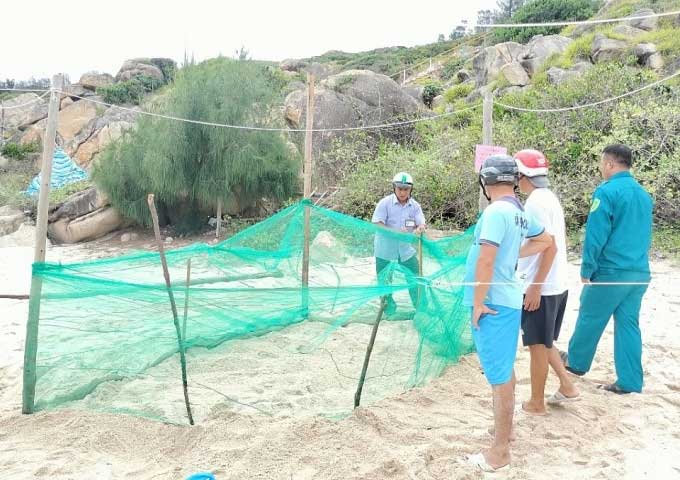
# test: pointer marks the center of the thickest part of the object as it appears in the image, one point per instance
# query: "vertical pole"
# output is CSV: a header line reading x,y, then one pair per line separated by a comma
x,y
219,218
369,350
2,125
487,136
173,306
403,81
186,301
307,172
31,345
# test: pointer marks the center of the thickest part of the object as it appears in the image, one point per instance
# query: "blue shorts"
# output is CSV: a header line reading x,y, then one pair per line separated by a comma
x,y
496,342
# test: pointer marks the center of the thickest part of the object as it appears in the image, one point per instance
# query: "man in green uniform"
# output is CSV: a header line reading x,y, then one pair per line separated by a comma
x,y
618,236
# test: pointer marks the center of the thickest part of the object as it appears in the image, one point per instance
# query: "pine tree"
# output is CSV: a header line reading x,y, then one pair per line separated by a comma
x,y
190,167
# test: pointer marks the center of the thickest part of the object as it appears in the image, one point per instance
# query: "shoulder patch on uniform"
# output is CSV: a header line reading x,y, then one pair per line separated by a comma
x,y
594,206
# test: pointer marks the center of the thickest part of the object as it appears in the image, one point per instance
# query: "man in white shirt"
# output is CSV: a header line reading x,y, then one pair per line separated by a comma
x,y
398,212
545,278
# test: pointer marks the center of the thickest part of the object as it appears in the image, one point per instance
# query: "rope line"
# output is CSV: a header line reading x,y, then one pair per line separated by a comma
x,y
588,105
273,129
576,22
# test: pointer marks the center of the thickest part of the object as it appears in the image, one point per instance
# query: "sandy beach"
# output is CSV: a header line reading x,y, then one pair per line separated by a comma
x,y
270,426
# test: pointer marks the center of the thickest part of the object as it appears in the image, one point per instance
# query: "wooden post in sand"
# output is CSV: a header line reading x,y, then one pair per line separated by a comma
x,y
218,229
307,175
31,345
186,301
173,306
369,350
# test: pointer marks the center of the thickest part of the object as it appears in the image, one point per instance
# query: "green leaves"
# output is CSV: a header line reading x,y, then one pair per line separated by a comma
x,y
190,167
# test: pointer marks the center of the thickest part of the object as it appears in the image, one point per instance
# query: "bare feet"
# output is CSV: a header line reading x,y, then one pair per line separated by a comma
x,y
569,391
534,408
496,458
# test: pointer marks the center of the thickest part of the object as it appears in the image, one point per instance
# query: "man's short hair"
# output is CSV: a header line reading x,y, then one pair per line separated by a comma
x,y
620,154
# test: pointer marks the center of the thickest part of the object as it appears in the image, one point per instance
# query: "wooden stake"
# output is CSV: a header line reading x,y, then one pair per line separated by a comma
x,y
166,274
307,173
31,345
487,137
369,350
219,218
186,301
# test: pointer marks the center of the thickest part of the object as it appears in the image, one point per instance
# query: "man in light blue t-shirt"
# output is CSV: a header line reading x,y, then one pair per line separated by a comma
x,y
496,299
398,212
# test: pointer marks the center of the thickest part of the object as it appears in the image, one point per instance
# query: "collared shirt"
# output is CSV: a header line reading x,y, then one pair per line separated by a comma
x,y
619,228
397,216
503,224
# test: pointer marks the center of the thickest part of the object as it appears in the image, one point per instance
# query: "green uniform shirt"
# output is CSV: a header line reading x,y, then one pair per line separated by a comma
x,y
619,228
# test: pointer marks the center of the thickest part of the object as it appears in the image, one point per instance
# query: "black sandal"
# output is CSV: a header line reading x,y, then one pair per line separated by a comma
x,y
614,388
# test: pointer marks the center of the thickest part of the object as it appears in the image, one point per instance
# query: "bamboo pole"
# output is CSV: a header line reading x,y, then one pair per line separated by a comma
x,y
186,301
369,350
31,345
166,274
487,136
307,173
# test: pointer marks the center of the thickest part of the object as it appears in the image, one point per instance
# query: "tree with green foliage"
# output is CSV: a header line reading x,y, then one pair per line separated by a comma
x,y
505,9
191,167
544,11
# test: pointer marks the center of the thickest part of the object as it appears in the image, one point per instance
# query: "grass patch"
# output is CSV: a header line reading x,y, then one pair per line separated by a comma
x,y
458,91
12,185
667,40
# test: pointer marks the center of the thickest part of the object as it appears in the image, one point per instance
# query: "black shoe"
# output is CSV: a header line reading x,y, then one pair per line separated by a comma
x,y
565,356
578,373
614,388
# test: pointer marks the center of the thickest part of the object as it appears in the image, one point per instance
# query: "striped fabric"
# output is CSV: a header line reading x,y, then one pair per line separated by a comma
x,y
64,172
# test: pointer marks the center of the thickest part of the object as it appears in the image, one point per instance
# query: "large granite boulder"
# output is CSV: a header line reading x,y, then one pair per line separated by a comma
x,y
647,24
139,66
607,49
24,110
83,216
10,220
540,48
93,80
515,74
487,64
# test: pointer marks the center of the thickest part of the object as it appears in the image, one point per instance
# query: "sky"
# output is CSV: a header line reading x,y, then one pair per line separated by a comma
x,y
44,37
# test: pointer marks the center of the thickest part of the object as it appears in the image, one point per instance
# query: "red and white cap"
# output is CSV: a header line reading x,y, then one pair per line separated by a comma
x,y
534,165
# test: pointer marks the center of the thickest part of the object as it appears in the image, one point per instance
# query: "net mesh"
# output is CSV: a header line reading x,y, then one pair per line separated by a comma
x,y
255,339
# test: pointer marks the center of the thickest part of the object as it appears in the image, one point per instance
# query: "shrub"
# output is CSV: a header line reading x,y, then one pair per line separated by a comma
x,y
129,92
447,193
544,11
431,90
458,91
450,68
190,167
18,151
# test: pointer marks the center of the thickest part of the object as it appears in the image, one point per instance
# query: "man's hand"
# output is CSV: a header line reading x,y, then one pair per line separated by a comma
x,y
532,298
585,280
478,311
420,229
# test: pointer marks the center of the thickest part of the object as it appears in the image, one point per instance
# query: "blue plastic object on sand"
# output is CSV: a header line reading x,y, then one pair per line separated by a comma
x,y
201,476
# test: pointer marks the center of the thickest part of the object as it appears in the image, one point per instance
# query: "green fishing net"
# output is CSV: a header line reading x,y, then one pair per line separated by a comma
x,y
256,341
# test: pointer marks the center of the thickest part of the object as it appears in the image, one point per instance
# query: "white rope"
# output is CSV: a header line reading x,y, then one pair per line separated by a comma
x,y
35,100
271,129
579,22
23,90
588,105
519,283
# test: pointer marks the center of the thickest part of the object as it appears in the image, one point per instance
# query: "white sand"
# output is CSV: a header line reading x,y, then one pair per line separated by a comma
x,y
419,434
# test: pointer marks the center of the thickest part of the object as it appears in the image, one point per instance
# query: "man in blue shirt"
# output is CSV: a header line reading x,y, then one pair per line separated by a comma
x,y
496,298
618,237
401,213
